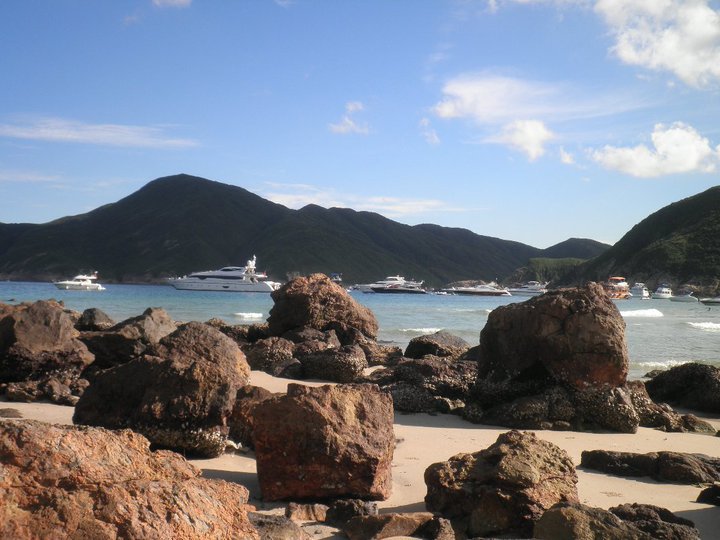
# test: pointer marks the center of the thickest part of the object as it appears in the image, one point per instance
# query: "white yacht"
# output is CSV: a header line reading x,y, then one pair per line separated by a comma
x,y
390,281
230,278
639,290
81,282
491,289
531,288
663,292
684,296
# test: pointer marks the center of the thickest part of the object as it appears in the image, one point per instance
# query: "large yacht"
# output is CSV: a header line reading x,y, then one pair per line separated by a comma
x,y
531,288
390,281
81,282
230,278
490,289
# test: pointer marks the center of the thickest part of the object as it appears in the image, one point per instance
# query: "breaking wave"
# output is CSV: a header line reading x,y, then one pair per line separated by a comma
x,y
421,330
706,326
247,316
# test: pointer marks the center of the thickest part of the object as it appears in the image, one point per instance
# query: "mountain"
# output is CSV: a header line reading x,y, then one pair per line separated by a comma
x,y
679,244
178,224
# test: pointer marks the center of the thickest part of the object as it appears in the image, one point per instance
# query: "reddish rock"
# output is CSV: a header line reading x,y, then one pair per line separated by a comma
x,y
317,302
325,442
503,489
392,525
179,397
306,512
241,421
79,482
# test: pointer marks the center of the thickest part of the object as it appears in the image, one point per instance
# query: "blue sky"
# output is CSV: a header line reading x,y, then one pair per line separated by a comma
x,y
528,120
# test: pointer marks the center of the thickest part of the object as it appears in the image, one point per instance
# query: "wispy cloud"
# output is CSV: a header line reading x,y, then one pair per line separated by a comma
x,y
428,132
73,131
172,3
299,195
347,123
678,148
682,37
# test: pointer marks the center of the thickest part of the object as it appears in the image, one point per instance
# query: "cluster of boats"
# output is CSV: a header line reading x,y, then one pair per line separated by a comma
x,y
617,288
400,285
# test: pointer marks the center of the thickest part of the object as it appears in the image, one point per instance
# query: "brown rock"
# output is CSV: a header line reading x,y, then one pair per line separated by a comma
x,y
94,319
242,420
272,355
343,365
656,521
323,442
180,397
274,527
694,386
504,488
572,521
386,525
438,344
79,482
306,512
316,302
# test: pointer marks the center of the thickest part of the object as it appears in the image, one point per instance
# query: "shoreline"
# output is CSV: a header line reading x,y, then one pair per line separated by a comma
x,y
416,448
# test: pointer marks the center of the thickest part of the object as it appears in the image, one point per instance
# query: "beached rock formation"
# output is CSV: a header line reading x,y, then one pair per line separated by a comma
x,y
94,320
556,361
502,489
676,467
80,482
394,525
179,394
241,421
128,339
325,442
710,495
692,385
440,343
568,521
41,356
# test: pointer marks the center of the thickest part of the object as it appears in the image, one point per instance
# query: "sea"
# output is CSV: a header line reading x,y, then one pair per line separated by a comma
x,y
659,333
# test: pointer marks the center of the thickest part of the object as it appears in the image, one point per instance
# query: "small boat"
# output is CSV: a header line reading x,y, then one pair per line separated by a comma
x,y
684,296
81,282
711,301
617,288
663,292
531,288
491,289
390,281
639,290
229,279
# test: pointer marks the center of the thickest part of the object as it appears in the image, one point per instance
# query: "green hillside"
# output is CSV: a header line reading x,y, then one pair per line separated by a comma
x,y
178,224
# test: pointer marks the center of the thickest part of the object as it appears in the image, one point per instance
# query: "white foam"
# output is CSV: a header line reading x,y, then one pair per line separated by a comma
x,y
421,330
651,313
706,326
248,315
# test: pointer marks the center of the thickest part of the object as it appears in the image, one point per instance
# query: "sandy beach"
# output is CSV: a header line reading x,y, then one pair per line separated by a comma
x,y
424,439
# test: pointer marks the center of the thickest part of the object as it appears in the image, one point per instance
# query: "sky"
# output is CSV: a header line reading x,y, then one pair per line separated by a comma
x,y
527,120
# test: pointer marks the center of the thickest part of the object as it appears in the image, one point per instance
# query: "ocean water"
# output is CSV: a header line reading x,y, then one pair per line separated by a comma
x,y
659,333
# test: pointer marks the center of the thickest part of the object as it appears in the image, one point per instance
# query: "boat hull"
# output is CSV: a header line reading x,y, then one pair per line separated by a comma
x,y
189,284
397,290
67,286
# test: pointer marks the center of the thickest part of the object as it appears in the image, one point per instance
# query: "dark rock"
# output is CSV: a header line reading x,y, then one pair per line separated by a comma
x,y
325,442
273,527
571,521
94,319
659,523
438,344
10,413
306,512
503,489
386,525
710,495
179,397
694,386
237,332
241,421
343,365
272,355
341,511
79,482
316,302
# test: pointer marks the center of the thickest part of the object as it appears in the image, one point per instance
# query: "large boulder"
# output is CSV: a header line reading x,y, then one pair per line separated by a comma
x,y
325,442
316,302
179,397
695,386
504,488
343,365
438,344
79,482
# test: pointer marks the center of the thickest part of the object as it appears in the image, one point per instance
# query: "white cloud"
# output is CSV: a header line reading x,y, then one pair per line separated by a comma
x,y
27,177
528,136
566,157
347,123
428,132
64,130
172,3
680,36
678,148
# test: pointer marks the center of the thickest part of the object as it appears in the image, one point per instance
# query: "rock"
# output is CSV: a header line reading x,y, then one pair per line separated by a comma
x,y
387,525
237,332
242,420
504,488
273,527
306,512
438,344
272,355
39,340
325,442
79,482
675,467
575,336
606,408
341,511
572,521
179,397
656,521
710,495
694,386
94,319
343,365
10,413
128,339
316,302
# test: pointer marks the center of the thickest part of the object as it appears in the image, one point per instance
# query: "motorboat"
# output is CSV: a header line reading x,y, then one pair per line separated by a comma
x,y
639,290
400,289
617,288
490,289
684,296
531,288
663,292
711,301
229,278
390,281
81,282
